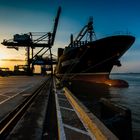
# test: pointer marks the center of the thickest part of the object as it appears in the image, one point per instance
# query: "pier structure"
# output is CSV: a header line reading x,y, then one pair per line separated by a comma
x,y
47,110
32,40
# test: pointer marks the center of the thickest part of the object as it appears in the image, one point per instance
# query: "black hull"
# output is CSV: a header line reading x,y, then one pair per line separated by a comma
x,y
93,60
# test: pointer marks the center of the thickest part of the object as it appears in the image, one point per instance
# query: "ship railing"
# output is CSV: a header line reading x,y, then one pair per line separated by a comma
x,y
78,43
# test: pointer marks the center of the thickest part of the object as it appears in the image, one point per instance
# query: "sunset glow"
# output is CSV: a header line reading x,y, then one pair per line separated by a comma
x,y
10,64
109,16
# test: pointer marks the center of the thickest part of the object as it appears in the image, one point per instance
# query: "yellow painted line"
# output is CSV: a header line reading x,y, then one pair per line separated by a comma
x,y
89,120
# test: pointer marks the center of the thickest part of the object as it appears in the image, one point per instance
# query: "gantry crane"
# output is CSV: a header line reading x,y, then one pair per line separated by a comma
x,y
32,40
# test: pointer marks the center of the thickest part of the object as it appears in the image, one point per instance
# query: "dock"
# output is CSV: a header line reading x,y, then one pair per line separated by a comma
x,y
40,108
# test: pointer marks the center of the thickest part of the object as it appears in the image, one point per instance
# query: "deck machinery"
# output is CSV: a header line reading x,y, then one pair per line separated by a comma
x,y
32,40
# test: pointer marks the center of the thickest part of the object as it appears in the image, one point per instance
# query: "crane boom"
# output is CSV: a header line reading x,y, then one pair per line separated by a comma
x,y
55,26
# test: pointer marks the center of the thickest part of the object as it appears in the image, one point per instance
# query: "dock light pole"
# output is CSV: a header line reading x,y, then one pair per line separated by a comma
x,y
28,60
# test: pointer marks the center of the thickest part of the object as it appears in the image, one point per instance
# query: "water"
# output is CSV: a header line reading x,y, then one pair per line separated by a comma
x,y
129,97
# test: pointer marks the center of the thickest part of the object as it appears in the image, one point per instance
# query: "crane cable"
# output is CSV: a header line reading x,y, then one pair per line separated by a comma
x,y
73,65
108,59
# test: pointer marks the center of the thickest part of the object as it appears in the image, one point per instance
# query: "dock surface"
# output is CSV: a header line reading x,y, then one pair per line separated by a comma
x,y
37,108
11,87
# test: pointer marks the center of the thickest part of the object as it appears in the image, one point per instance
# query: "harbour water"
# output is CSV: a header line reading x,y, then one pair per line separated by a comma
x,y
129,97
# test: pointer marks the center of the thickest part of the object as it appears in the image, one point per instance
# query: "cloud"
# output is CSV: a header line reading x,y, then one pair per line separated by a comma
x,y
12,60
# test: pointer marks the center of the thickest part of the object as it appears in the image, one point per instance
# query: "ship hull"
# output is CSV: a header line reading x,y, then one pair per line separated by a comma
x,y
93,61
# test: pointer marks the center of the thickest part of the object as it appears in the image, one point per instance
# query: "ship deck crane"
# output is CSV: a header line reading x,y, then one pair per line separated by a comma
x,y
87,29
33,40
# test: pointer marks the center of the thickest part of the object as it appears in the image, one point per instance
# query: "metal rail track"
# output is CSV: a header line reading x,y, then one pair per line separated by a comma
x,y
8,122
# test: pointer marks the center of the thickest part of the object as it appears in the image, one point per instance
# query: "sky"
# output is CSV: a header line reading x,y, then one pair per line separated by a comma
x,y
109,17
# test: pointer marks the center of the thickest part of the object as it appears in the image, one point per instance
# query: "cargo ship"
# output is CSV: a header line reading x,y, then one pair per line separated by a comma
x,y
92,59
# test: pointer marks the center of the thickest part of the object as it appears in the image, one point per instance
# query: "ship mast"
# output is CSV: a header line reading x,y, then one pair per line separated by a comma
x,y
90,29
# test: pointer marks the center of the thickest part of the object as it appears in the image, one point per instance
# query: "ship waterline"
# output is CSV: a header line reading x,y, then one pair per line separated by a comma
x,y
101,78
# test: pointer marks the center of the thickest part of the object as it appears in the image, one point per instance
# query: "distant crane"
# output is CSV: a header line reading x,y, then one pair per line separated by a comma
x,y
44,40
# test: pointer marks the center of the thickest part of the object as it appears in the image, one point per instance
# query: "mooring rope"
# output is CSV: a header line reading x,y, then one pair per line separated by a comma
x,y
73,65
95,65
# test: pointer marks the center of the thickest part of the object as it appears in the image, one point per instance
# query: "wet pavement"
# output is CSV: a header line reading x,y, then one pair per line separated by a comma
x,y
15,89
14,85
31,125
